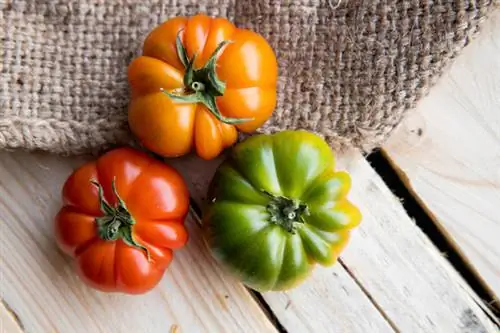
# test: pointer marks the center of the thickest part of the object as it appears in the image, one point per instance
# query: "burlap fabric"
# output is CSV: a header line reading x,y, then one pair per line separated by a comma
x,y
349,71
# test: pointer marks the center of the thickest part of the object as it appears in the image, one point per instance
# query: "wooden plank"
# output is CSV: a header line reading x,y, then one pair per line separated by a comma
x,y
448,153
40,286
389,259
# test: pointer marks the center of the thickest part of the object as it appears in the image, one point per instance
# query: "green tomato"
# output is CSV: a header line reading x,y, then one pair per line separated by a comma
x,y
276,208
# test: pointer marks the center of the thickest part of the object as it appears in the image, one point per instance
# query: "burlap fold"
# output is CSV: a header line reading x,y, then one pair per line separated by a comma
x,y
348,71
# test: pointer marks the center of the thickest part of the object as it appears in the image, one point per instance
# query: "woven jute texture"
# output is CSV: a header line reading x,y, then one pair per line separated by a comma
x,y
349,70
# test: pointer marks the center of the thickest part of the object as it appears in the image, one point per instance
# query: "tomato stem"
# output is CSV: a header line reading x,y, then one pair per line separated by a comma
x,y
202,85
285,212
197,86
117,222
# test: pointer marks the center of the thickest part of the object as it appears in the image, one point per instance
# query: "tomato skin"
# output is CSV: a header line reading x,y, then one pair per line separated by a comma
x,y
247,223
156,197
247,66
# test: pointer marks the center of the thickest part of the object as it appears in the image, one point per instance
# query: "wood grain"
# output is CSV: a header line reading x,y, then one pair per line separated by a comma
x,y
389,261
448,153
39,284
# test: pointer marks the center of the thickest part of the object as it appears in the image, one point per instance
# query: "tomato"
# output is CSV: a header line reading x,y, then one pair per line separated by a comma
x,y
198,81
276,208
123,214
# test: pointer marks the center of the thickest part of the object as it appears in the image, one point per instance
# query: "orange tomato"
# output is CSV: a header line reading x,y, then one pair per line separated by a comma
x,y
122,217
199,80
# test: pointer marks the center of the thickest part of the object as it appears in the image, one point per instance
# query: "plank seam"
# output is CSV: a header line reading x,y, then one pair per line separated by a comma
x,y
259,299
369,296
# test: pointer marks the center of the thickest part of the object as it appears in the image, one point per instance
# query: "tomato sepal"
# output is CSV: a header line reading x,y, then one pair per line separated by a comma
x,y
117,222
285,212
202,85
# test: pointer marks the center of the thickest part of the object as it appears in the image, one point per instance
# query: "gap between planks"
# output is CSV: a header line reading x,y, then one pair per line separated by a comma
x,y
424,218
9,320
370,297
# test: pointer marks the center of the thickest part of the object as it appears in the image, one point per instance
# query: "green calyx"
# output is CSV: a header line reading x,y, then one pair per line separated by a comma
x,y
285,212
116,222
202,85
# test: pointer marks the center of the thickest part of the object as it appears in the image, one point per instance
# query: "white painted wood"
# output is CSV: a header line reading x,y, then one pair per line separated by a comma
x,y
388,260
8,322
39,284
448,153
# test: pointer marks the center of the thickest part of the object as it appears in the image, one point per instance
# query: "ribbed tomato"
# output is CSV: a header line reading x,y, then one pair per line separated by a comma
x,y
123,215
198,80
276,208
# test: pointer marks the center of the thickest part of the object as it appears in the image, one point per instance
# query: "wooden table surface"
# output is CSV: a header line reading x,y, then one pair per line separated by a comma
x,y
391,277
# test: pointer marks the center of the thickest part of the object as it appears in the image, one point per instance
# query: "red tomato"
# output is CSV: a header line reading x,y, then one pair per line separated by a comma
x,y
123,215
